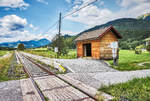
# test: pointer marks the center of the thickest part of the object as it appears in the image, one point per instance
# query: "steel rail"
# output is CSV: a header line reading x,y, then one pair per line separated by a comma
x,y
32,80
51,73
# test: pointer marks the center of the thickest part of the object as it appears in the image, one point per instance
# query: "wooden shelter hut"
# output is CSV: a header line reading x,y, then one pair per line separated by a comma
x,y
96,43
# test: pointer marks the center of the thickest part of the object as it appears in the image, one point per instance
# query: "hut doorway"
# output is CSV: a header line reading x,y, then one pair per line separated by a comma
x,y
87,49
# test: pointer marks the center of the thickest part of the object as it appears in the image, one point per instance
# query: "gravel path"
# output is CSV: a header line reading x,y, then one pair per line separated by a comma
x,y
85,66
10,91
78,65
97,80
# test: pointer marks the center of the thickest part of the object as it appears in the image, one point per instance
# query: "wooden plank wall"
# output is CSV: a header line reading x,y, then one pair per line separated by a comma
x,y
95,49
95,44
100,49
105,51
79,49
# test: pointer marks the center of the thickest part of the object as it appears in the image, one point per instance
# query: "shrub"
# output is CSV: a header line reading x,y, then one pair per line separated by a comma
x,y
20,46
138,49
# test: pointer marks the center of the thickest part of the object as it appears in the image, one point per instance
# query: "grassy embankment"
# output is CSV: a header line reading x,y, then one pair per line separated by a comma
x,y
47,53
10,70
133,90
128,60
136,89
3,52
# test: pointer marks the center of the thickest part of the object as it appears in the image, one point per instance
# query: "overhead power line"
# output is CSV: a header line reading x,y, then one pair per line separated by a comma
x,y
79,9
53,25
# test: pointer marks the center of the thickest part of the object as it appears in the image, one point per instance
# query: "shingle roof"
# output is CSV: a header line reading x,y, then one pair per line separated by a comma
x,y
97,33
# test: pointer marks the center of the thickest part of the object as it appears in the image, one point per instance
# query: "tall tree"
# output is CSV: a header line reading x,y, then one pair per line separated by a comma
x,y
21,46
59,41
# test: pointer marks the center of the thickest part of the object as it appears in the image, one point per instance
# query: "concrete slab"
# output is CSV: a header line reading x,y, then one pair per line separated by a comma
x,y
10,91
57,90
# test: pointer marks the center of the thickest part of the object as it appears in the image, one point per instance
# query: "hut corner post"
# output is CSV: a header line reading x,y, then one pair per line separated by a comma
x,y
115,61
116,57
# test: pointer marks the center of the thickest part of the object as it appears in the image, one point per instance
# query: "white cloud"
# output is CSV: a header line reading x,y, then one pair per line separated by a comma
x,y
13,36
90,15
33,27
133,8
43,1
13,22
126,3
13,3
68,1
8,34
83,2
12,29
93,15
69,32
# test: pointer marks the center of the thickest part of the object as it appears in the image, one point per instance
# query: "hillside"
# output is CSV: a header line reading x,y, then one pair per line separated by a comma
x,y
28,44
134,31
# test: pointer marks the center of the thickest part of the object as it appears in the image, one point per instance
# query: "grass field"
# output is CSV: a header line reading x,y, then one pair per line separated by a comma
x,y
51,54
128,60
6,65
3,52
134,90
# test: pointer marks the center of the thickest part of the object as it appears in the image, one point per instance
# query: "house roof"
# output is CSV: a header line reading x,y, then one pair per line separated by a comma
x,y
90,35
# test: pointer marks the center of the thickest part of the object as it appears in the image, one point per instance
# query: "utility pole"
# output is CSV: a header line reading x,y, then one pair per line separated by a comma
x,y
59,34
59,23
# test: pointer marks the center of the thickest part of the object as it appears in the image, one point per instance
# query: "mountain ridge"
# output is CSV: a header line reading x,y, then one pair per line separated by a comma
x,y
133,30
27,44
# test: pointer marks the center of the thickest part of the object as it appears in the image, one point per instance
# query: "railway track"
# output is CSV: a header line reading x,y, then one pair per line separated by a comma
x,y
32,68
63,91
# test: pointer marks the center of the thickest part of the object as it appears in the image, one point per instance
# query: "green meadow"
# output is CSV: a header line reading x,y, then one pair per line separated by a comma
x,y
10,70
3,52
136,89
133,90
51,54
128,60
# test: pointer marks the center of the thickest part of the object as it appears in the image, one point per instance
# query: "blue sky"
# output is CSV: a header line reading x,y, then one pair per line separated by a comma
x,y
31,19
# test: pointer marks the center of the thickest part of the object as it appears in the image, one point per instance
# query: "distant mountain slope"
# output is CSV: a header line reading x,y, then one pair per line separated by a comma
x,y
131,29
28,44
125,24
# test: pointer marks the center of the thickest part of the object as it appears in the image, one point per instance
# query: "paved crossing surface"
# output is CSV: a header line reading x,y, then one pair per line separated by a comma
x,y
57,90
42,85
10,91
